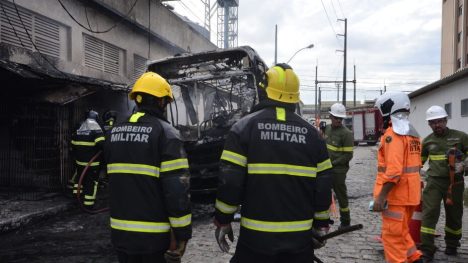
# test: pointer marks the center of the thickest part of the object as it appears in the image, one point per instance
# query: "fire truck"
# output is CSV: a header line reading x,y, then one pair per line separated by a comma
x,y
366,124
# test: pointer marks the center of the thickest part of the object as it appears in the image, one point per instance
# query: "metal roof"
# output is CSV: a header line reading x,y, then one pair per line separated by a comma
x,y
461,74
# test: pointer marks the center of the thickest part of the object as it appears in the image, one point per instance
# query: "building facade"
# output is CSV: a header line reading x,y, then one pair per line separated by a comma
x,y
454,55
59,58
450,93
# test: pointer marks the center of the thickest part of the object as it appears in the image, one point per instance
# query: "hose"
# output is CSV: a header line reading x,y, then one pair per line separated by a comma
x,y
78,190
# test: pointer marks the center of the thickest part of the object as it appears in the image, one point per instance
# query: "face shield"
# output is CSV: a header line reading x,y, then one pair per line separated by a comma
x,y
400,123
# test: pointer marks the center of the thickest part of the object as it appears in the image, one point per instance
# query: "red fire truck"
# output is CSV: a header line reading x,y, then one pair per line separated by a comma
x,y
366,124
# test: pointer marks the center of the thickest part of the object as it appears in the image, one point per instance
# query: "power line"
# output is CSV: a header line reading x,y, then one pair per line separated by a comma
x,y
90,29
191,11
29,37
341,9
334,10
328,18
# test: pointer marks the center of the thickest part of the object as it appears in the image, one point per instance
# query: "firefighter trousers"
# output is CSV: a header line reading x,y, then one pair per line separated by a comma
x,y
434,193
89,185
341,193
398,244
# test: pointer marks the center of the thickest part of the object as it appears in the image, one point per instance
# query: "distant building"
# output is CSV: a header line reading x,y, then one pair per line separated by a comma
x,y
454,55
308,110
451,91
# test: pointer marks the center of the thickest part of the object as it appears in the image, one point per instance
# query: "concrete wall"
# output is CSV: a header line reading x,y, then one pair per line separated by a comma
x,y
170,34
451,93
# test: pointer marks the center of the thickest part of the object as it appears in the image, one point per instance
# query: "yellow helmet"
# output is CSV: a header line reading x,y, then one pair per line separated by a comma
x,y
152,84
283,84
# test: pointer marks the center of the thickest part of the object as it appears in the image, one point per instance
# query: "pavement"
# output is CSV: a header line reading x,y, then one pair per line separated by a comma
x,y
22,209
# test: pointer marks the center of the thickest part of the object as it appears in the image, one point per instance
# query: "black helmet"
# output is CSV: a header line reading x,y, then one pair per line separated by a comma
x,y
92,115
109,115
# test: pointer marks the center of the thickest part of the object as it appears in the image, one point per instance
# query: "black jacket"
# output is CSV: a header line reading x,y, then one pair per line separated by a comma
x,y
86,142
149,183
276,166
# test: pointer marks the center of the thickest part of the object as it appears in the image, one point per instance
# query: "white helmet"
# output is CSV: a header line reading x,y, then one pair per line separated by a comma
x,y
338,110
391,102
435,112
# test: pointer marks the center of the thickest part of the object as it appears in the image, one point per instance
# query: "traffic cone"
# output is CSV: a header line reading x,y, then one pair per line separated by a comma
x,y
415,223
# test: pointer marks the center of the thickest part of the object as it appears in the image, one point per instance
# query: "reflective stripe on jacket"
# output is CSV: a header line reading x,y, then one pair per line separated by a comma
x,y
434,150
148,180
340,143
399,162
276,166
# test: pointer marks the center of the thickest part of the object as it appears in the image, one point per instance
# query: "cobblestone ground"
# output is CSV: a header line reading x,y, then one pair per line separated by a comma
x,y
358,246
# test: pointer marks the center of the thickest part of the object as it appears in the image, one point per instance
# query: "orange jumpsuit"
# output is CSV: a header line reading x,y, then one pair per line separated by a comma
x,y
399,162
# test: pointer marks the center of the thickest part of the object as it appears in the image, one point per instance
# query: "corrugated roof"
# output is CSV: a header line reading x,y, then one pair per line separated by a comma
x,y
435,85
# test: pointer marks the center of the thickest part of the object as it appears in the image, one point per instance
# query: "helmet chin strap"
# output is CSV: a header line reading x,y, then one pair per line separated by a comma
x,y
386,121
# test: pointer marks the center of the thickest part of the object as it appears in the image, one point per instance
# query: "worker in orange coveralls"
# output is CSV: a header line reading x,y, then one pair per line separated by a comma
x,y
398,183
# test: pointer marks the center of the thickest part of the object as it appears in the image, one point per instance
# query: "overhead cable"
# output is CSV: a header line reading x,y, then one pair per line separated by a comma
x,y
30,38
96,31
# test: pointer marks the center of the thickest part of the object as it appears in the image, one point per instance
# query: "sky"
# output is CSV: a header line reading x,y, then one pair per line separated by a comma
x,y
393,44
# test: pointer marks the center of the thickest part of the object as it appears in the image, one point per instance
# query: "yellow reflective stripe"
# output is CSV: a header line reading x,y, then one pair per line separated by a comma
x,y
280,114
174,165
234,158
140,226
339,149
324,165
440,157
274,168
269,226
86,163
344,209
180,221
83,143
427,230
98,139
322,215
136,116
452,231
225,208
133,168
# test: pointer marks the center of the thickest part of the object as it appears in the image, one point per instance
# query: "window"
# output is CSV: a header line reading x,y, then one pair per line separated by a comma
x,y
458,63
464,108
49,36
448,109
460,10
103,56
139,66
458,37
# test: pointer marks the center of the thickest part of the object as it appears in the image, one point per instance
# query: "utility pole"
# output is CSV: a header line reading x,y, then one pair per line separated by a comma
x,y
316,82
276,44
344,58
354,95
337,84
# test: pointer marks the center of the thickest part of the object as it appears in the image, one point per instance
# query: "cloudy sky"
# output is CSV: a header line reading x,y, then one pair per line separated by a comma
x,y
392,43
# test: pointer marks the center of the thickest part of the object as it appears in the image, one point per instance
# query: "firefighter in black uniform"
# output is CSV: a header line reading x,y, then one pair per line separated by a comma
x,y
276,165
86,142
148,179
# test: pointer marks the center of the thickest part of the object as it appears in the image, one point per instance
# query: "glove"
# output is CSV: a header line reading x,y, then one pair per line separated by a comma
x,y
459,167
175,256
220,235
319,232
